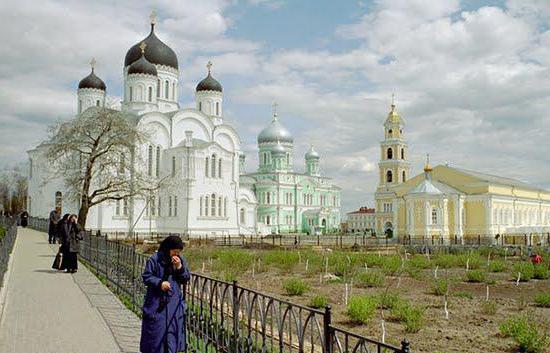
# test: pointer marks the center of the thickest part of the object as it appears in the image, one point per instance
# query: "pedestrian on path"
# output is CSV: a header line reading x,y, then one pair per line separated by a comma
x,y
74,237
163,323
63,234
54,225
24,219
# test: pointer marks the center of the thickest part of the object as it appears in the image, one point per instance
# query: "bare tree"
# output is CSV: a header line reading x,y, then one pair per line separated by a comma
x,y
98,156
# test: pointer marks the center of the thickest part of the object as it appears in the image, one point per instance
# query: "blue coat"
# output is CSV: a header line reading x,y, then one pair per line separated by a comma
x,y
154,322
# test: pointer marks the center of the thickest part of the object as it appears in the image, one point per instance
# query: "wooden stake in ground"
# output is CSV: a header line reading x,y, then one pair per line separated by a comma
x,y
299,258
435,271
446,310
320,278
487,296
467,264
253,269
326,265
346,293
307,264
505,253
383,331
203,266
519,277
488,259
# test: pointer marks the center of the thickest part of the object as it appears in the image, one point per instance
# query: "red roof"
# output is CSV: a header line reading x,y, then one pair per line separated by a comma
x,y
363,210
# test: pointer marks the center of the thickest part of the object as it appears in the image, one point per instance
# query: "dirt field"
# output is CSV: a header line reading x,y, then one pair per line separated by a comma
x,y
470,327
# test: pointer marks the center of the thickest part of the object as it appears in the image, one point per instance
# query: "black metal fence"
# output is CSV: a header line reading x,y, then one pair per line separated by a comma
x,y
8,233
224,316
526,239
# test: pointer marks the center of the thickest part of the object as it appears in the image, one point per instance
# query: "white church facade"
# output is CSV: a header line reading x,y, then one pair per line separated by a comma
x,y
201,154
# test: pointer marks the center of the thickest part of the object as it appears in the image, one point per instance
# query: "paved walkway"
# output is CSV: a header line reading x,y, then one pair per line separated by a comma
x,y
48,311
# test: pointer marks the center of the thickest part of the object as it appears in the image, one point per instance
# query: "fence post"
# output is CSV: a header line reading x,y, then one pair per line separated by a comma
x,y
235,315
479,239
405,346
117,268
134,276
318,240
327,318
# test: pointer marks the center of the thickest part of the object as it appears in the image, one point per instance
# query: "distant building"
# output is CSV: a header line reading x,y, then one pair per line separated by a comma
x,y
363,220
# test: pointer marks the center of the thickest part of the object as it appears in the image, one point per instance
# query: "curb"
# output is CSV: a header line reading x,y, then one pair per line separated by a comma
x,y
7,275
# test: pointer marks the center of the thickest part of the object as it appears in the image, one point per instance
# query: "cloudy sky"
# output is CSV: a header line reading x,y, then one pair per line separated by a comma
x,y
472,78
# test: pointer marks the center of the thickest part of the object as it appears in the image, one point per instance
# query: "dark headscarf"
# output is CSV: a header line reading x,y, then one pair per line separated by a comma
x,y
169,243
65,217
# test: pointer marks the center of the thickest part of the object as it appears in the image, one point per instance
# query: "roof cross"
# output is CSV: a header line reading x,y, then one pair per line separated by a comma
x,y
274,106
92,63
209,66
153,17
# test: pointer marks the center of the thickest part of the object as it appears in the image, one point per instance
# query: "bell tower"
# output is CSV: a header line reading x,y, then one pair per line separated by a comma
x,y
394,167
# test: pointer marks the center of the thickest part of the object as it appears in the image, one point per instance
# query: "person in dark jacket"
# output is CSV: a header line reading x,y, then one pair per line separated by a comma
x,y
54,225
73,244
163,323
24,219
63,234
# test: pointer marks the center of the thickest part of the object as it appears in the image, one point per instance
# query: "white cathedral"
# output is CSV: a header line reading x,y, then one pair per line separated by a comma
x,y
212,197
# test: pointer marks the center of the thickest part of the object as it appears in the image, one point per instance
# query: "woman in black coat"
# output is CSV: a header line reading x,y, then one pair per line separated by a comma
x,y
63,234
73,244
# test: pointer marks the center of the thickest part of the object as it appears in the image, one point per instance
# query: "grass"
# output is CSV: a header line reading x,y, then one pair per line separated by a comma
x,y
475,276
543,300
440,286
419,262
412,316
525,333
2,232
319,301
295,286
497,266
388,300
370,278
463,294
541,272
526,270
489,307
361,309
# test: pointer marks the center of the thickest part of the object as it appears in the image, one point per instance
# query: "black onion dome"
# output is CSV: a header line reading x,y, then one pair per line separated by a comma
x,y
92,81
156,52
142,66
209,84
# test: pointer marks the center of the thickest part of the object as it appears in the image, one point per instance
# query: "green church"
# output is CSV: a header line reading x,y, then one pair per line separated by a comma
x,y
289,201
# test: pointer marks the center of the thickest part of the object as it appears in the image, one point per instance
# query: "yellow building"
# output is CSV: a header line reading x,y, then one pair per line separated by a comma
x,y
452,203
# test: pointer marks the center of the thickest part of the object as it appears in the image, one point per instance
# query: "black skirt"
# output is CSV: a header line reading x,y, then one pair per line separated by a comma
x,y
72,260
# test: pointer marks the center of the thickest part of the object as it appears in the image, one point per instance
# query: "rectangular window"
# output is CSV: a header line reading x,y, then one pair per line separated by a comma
x,y
225,207
169,206
219,168
175,206
30,168
206,205
153,207
157,167
206,166
213,205
201,205
117,208
159,203
150,161
220,205
125,207
173,166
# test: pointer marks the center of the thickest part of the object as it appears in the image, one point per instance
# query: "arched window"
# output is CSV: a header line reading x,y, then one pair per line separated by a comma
x,y
219,168
158,88
149,94
201,205
121,164
166,89
390,153
157,166
213,200
174,91
390,131
402,153
404,176
97,103
389,176
200,106
206,205
268,198
434,216
242,220
206,166
265,158
131,94
218,108
150,161
220,205
267,220
225,206
80,105
213,166
125,207
175,206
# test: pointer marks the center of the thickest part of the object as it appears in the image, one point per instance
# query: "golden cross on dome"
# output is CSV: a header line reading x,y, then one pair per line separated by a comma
x,y
142,47
427,159
392,101
153,17
274,106
92,63
209,66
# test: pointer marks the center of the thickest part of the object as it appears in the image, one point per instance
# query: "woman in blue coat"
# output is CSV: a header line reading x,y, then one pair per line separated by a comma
x,y
163,322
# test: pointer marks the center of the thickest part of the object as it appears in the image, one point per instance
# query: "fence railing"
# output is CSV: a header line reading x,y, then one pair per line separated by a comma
x,y
8,234
226,317
525,239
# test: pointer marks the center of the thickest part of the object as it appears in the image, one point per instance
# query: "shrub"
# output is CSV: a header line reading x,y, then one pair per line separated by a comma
x,y
543,300
370,278
446,261
541,272
463,294
476,276
489,307
525,334
526,269
319,301
295,286
497,266
235,261
361,309
411,316
419,261
440,286
414,272
283,260
391,265
474,261
388,300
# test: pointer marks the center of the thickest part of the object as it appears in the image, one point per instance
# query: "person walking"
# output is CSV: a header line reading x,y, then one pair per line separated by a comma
x,y
73,244
63,228
24,219
53,227
163,324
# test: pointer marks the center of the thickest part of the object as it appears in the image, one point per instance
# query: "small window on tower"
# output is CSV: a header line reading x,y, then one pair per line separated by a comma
x,y
402,153
389,176
390,153
404,176
97,103
390,131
